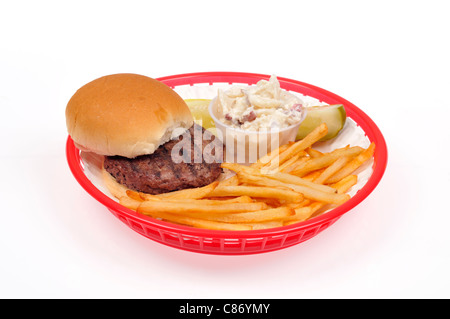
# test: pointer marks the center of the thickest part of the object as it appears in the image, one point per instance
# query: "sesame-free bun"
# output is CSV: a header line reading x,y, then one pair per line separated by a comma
x,y
125,114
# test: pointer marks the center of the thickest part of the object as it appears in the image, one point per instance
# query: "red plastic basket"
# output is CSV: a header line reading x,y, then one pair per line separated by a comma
x,y
240,242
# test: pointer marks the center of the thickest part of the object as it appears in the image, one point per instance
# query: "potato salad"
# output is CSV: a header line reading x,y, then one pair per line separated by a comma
x,y
264,106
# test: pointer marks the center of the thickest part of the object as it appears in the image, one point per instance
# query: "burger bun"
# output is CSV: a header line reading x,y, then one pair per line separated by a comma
x,y
126,115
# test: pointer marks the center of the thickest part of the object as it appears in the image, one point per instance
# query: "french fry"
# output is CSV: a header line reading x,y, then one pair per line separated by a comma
x,y
134,195
129,202
265,225
353,164
257,191
331,170
115,189
303,203
297,164
271,202
207,224
182,219
290,162
315,207
288,166
277,157
311,176
252,217
345,184
141,196
342,187
217,201
311,193
326,160
192,193
272,156
313,152
200,223
283,177
300,214
134,201
196,208
239,199
301,145
232,181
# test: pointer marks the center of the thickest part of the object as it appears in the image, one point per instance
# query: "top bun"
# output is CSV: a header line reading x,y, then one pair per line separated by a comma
x,y
125,114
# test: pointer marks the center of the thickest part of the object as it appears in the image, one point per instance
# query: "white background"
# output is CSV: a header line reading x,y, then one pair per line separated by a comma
x,y
390,58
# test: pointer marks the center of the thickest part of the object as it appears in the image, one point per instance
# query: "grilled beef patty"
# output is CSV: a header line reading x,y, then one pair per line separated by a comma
x,y
158,173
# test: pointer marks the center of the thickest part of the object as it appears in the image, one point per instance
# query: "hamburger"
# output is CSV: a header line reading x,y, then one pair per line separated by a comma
x,y
146,134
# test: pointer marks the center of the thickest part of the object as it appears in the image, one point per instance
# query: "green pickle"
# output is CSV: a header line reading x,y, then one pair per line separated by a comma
x,y
333,115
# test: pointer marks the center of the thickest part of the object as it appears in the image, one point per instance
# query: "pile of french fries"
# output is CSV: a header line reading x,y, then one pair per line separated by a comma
x,y
290,184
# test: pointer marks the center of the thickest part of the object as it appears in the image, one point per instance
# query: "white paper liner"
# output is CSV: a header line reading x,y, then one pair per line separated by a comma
x,y
351,134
